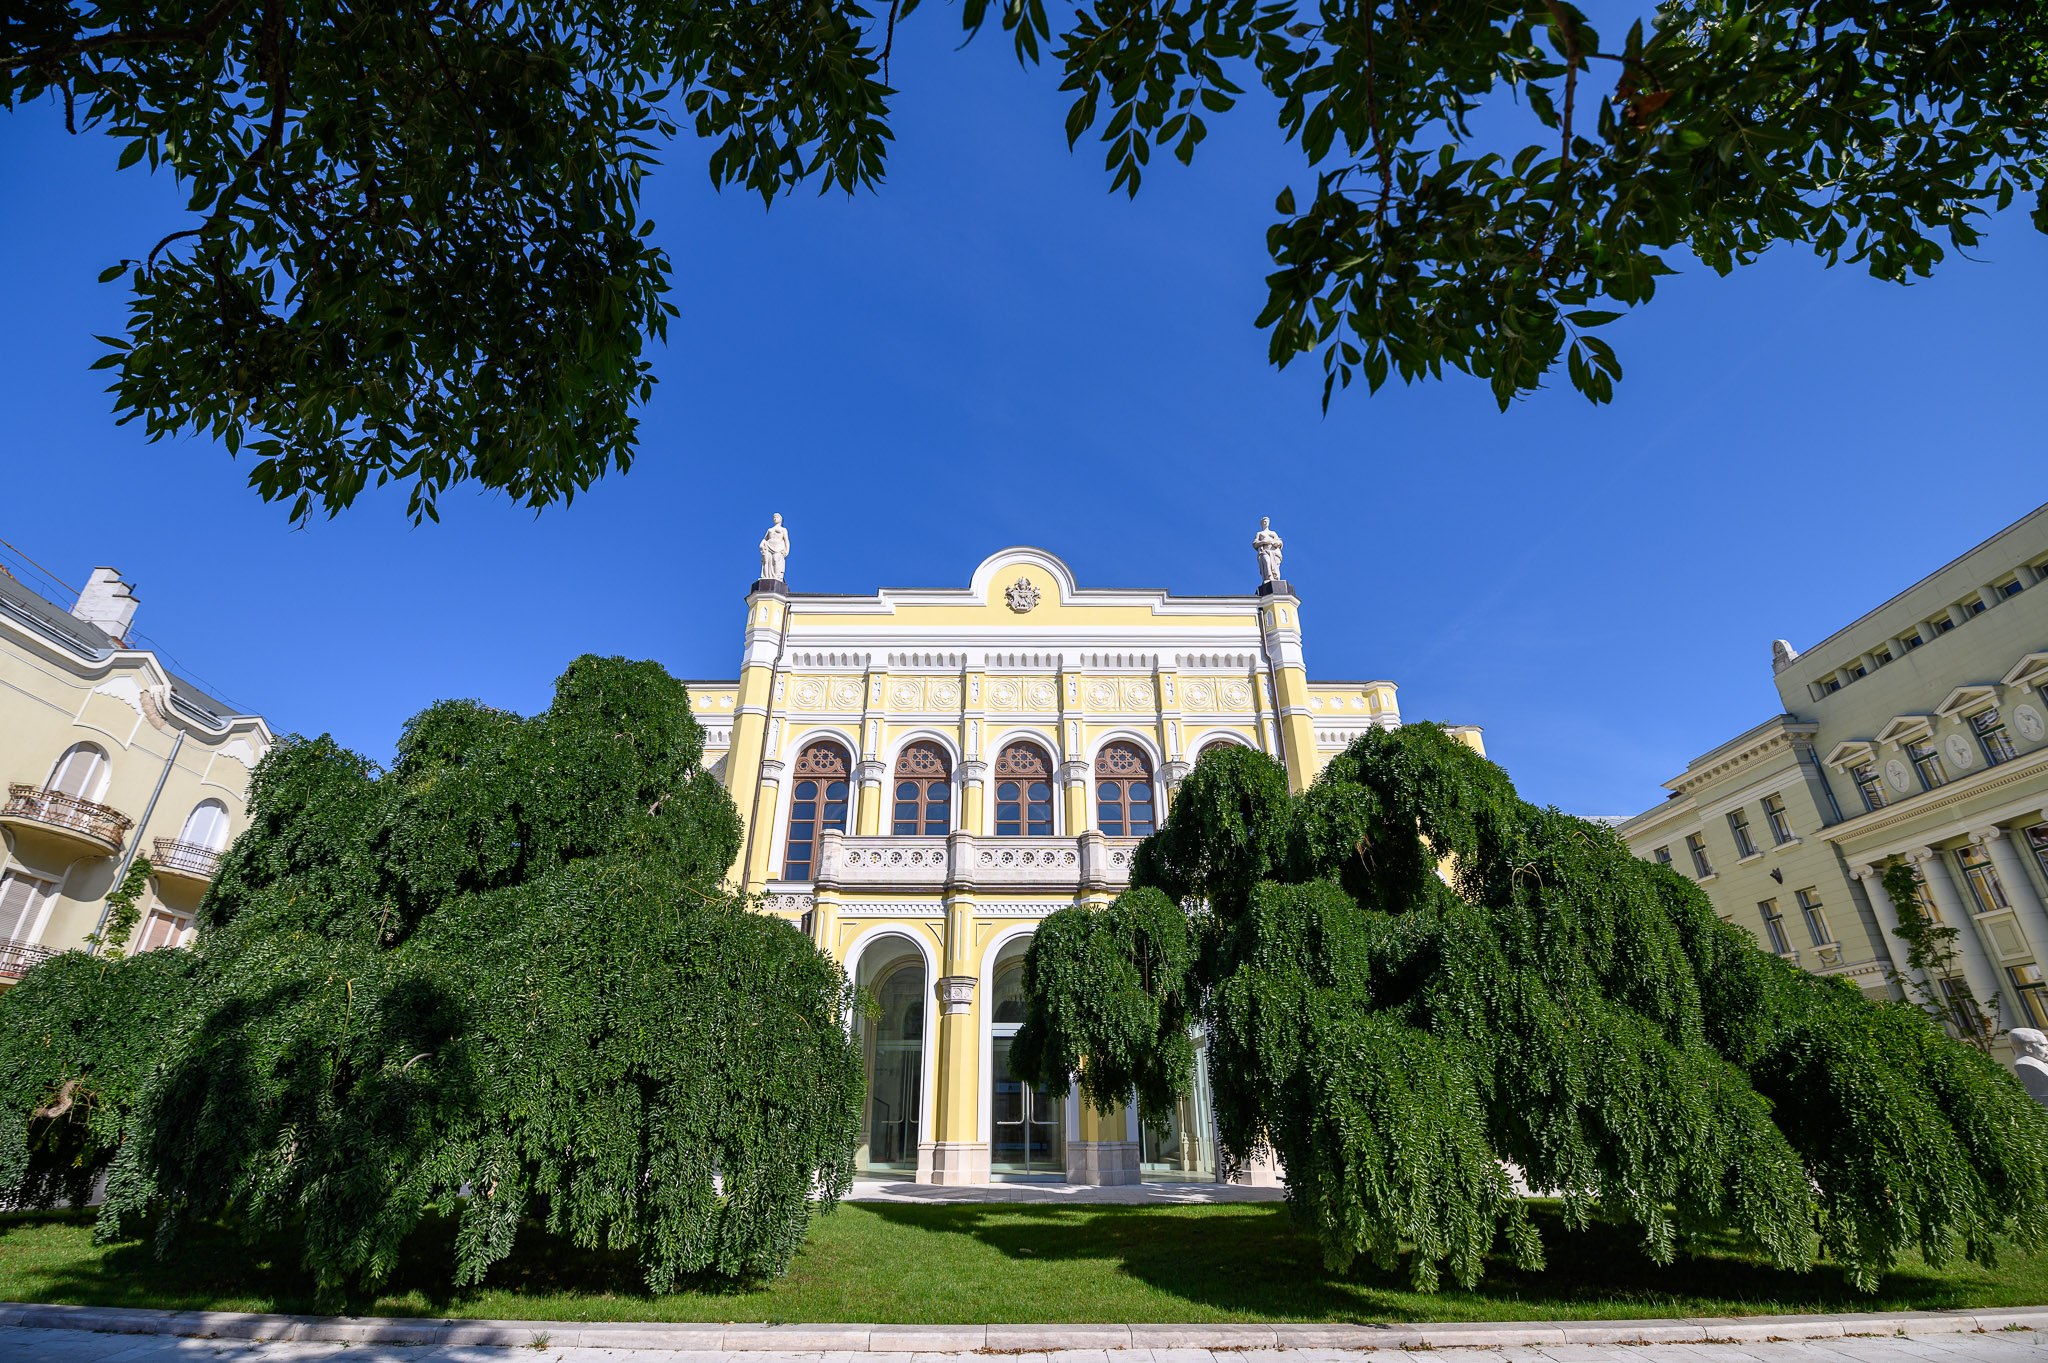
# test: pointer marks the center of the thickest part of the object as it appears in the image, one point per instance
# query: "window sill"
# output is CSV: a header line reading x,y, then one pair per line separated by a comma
x,y
1708,878
1789,842
1753,856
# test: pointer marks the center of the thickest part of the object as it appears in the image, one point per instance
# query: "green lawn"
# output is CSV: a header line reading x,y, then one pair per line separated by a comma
x,y
885,1262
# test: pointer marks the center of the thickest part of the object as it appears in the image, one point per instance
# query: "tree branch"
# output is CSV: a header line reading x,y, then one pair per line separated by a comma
x,y
192,33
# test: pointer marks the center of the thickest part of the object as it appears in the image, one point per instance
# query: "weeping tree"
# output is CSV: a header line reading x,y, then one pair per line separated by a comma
x,y
500,981
1413,983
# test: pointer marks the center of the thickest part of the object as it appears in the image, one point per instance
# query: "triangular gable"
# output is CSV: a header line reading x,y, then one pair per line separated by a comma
x,y
2031,670
1967,698
1903,727
1852,752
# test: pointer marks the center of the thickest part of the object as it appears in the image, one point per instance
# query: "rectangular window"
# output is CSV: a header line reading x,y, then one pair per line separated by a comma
x,y
1869,785
1942,625
1738,828
1697,845
1858,671
1911,641
1927,762
2037,838
1974,606
1960,1012
1774,813
2012,588
1663,856
1984,885
1991,733
1774,927
1883,656
1831,685
1816,920
21,904
2032,993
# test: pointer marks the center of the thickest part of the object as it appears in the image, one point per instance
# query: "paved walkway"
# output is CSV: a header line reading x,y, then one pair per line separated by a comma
x,y
75,1334
879,1190
19,1344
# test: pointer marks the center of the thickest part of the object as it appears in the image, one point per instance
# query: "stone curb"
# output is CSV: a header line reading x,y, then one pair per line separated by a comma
x,y
1003,1339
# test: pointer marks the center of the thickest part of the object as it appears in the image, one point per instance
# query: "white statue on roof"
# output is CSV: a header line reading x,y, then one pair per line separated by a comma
x,y
774,551
1266,545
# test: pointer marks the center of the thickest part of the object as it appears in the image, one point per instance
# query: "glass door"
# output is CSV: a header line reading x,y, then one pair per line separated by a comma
x,y
1028,1136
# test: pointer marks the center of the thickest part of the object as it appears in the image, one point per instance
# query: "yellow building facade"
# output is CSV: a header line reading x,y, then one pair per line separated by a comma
x,y
925,774
107,754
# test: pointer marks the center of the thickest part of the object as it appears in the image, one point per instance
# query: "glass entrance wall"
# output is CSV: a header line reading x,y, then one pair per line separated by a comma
x,y
1027,1125
1183,1148
893,1046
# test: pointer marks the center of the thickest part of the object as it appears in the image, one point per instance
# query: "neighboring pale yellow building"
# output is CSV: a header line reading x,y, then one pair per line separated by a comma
x,y
106,754
926,774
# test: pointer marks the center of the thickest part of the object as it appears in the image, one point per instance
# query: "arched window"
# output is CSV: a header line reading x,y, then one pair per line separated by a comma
x,y
1217,745
206,826
1023,792
924,792
817,802
1123,791
81,772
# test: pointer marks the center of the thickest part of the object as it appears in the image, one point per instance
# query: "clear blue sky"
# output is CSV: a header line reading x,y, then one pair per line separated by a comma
x,y
993,350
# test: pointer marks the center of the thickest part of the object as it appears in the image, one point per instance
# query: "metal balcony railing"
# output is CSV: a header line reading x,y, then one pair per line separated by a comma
x,y
59,810
17,957
185,858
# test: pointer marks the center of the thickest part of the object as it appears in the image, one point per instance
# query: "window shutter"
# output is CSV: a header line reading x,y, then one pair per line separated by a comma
x,y
20,900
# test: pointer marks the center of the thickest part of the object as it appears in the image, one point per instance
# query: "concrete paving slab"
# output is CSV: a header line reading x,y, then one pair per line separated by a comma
x,y
1039,1338
797,1338
935,1339
1203,1336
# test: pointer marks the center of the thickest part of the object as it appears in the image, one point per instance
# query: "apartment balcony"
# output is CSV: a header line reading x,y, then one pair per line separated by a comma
x,y
186,862
17,957
64,824
966,861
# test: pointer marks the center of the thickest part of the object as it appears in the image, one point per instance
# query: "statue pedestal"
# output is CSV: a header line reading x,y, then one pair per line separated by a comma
x,y
2034,1075
774,586
1278,586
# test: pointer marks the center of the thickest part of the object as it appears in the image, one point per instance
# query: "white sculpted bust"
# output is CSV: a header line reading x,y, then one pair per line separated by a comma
x,y
1266,545
774,551
2030,1060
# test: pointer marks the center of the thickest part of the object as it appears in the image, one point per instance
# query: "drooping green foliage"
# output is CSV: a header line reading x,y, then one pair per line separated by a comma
x,y
79,1036
416,250
500,981
1931,955
1416,986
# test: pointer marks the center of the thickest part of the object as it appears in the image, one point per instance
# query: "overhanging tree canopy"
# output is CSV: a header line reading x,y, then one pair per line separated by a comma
x,y
416,252
500,980
1557,1005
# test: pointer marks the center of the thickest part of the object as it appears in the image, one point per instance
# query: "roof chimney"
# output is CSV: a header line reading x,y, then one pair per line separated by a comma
x,y
1782,654
108,602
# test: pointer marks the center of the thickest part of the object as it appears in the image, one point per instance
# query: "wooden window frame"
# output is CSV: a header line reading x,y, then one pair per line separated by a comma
x,y
914,768
1012,770
1114,807
813,769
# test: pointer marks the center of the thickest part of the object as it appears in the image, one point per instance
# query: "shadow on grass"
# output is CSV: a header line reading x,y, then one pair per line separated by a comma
x,y
1254,1260
1049,1263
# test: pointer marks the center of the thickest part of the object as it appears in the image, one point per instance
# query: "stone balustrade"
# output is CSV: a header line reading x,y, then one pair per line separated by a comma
x,y
965,860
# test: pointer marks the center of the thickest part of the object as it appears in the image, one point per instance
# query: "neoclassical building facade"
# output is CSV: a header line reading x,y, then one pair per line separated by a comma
x,y
107,755
926,774
1916,733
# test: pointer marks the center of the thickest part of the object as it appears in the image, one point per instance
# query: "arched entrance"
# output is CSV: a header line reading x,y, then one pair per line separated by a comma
x,y
1027,1129
892,970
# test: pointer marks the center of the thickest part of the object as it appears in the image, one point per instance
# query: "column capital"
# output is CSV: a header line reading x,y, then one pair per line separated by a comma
x,y
973,773
1867,872
772,769
1174,772
956,993
1922,855
1984,837
870,772
1074,772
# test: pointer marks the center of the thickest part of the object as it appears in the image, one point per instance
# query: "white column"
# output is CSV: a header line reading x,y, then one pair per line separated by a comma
x,y
1887,915
2019,889
1977,970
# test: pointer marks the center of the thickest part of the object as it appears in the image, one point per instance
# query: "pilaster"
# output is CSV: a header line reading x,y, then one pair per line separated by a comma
x,y
957,1156
767,618
867,818
1103,1155
973,794
1073,778
1280,622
